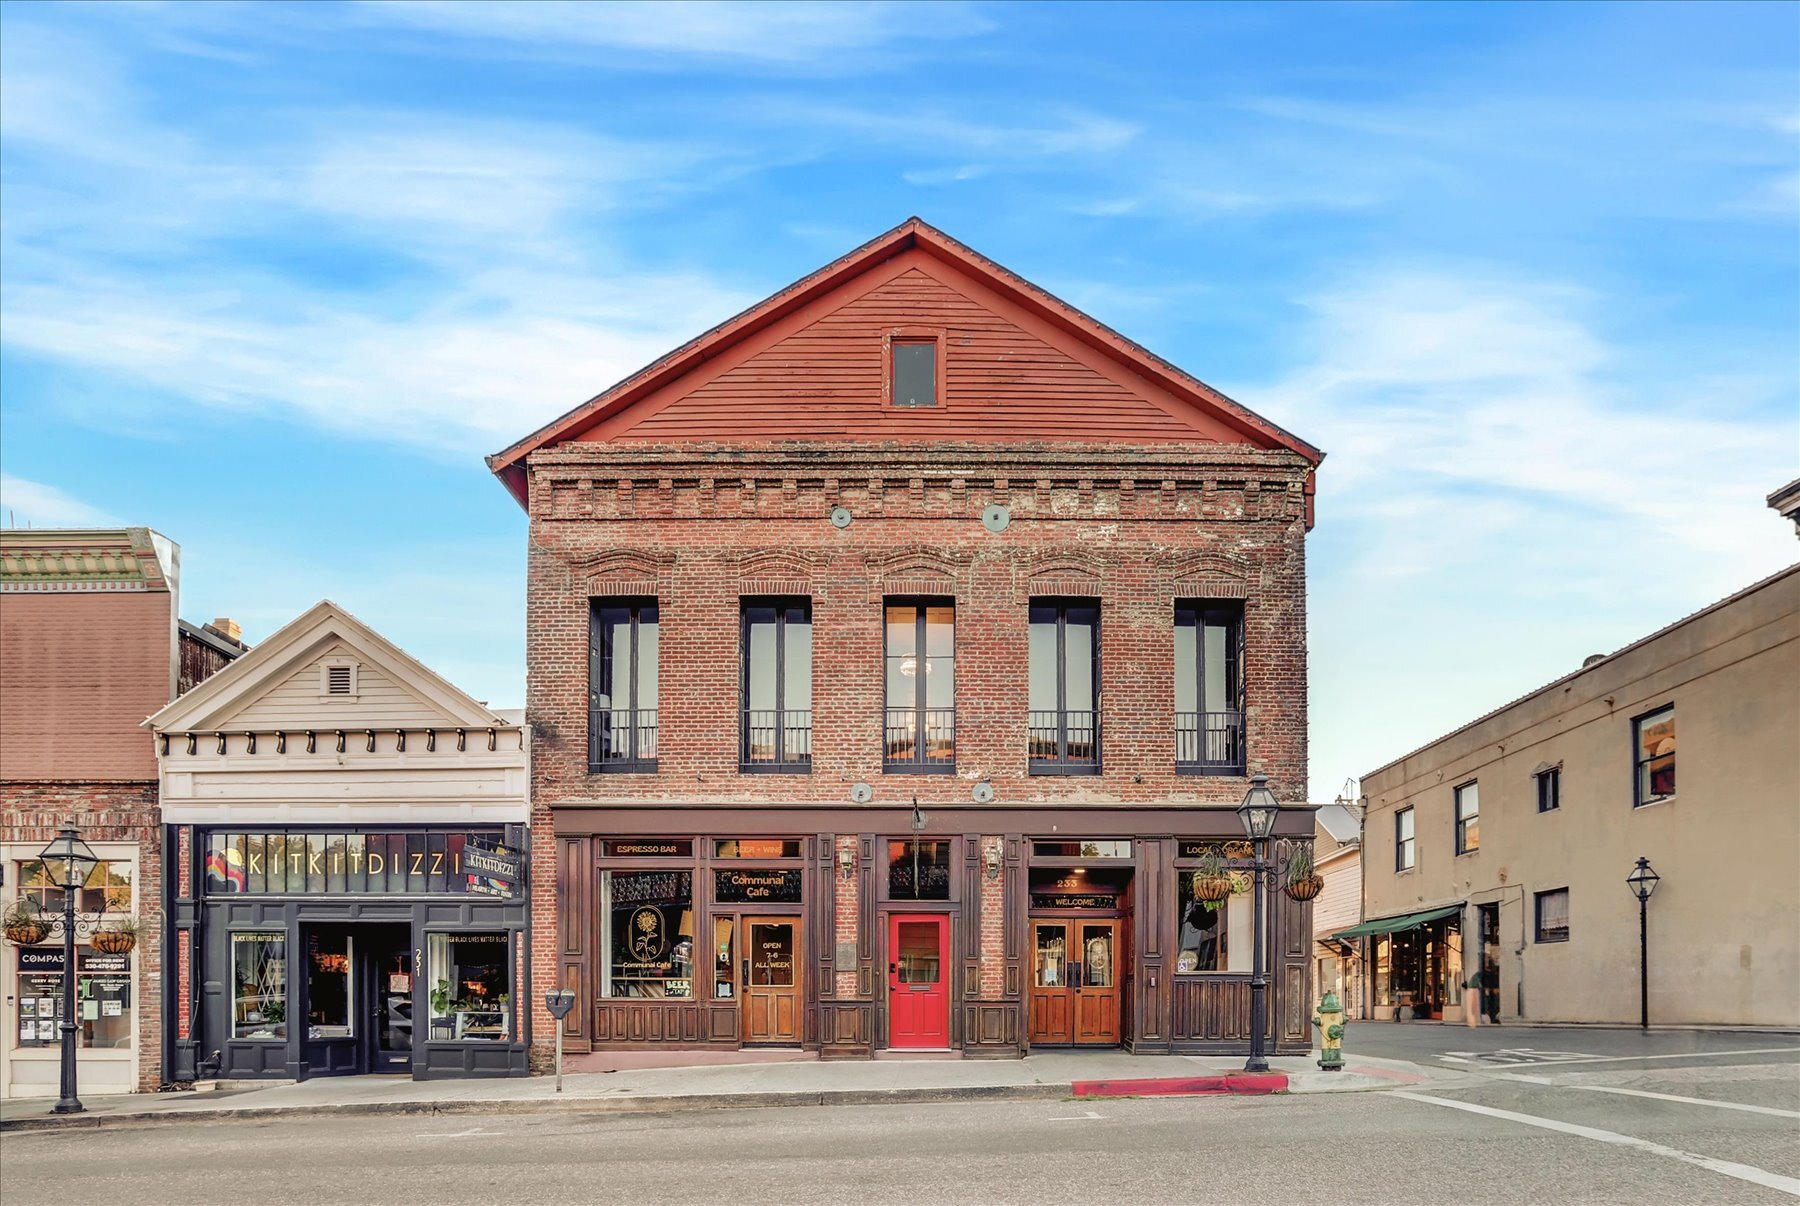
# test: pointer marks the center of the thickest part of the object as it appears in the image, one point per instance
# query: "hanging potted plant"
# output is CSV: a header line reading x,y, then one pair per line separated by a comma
x,y
1302,882
23,924
1212,882
117,938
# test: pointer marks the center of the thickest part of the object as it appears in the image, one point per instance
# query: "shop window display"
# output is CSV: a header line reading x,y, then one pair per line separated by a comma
x,y
647,934
1215,936
102,999
471,986
259,1000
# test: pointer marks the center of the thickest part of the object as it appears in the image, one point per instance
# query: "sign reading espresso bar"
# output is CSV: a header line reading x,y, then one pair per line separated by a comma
x,y
650,848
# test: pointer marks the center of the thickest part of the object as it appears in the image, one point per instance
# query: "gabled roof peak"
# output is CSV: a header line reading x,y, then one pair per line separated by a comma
x,y
1188,394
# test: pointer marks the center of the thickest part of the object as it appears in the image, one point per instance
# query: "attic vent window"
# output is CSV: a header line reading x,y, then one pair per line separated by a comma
x,y
913,372
337,680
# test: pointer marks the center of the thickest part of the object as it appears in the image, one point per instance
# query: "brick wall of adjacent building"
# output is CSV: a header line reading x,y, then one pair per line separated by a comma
x,y
81,671
33,813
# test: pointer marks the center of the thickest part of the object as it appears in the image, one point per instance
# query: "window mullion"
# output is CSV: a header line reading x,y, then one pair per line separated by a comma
x,y
632,693
780,684
919,693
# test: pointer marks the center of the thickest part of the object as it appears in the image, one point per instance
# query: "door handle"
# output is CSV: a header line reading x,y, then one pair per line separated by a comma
x,y
746,973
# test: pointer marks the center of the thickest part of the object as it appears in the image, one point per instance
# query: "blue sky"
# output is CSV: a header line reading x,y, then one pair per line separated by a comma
x,y
273,278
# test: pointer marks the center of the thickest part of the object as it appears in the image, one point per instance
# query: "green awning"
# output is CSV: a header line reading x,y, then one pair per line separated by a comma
x,y
1395,925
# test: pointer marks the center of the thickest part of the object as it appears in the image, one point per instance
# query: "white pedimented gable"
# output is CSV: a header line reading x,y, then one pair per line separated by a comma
x,y
325,670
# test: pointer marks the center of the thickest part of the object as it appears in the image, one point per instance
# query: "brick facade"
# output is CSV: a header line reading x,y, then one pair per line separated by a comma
x,y
712,478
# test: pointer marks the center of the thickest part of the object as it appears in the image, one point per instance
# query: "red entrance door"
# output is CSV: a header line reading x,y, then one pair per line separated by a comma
x,y
918,994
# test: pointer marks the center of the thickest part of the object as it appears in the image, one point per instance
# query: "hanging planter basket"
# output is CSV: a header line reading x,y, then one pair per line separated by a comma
x,y
1304,887
27,933
1211,888
113,942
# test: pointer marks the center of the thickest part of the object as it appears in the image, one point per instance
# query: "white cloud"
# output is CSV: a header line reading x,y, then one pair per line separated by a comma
x,y
29,504
815,36
1509,482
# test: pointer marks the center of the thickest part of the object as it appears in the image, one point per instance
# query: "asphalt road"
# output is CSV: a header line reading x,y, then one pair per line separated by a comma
x,y
1426,1042
1692,1128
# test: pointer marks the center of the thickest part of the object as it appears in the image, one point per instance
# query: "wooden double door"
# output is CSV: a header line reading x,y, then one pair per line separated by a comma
x,y
772,979
1076,968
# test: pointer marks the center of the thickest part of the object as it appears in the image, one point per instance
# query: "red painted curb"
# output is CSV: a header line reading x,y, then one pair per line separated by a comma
x,y
1230,1083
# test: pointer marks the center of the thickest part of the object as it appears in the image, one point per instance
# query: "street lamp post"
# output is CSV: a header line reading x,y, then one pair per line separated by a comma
x,y
1643,880
1258,813
66,861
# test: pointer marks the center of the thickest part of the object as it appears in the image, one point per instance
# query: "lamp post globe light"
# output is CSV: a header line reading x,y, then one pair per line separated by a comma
x,y
67,861
1643,880
1258,814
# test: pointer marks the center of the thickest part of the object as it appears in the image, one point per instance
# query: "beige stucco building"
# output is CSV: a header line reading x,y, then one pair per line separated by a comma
x,y
1505,845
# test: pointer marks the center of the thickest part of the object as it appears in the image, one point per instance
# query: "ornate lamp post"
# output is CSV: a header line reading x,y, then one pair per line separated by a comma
x,y
67,861
1258,813
1643,880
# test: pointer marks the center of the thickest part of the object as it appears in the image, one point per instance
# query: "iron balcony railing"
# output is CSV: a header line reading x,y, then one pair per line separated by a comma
x,y
777,739
622,739
920,740
1063,742
1209,742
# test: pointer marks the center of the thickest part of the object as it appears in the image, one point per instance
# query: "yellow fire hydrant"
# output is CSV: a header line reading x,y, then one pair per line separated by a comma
x,y
1330,1021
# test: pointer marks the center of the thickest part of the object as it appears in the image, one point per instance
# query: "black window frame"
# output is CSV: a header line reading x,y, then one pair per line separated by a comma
x,y
781,605
1549,789
1195,736
1539,934
1462,822
634,761
1406,849
1061,764
918,764
1640,764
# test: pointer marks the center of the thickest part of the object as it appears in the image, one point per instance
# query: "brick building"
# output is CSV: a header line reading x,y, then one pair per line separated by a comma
x,y
895,650
90,644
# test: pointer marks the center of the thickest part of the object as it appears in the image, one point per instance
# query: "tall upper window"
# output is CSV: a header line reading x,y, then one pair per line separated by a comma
x,y
913,372
777,686
1404,853
1064,688
622,685
1468,818
1549,789
921,688
1209,688
1653,745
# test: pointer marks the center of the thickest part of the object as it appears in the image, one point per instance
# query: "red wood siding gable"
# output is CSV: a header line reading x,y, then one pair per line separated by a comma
x,y
809,363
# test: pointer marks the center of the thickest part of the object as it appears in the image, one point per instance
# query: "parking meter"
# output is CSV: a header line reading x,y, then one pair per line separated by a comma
x,y
559,1001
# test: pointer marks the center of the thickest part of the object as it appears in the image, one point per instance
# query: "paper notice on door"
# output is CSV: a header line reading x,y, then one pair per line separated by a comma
x,y
46,1030
111,1009
27,1028
90,1010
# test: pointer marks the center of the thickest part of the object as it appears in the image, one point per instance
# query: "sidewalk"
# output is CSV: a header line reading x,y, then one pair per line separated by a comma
x,y
802,1083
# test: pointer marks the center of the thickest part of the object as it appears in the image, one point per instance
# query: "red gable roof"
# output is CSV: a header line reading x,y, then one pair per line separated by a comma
x,y
914,256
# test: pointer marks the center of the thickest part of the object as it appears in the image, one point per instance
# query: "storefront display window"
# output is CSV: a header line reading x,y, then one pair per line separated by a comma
x,y
259,1001
329,986
102,995
471,986
647,934
919,870
1216,937
724,963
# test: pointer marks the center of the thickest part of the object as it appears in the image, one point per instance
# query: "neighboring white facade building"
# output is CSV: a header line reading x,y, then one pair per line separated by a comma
x,y
344,824
1337,857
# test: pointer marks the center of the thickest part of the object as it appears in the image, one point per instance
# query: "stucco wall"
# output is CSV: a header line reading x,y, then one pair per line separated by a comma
x,y
1725,922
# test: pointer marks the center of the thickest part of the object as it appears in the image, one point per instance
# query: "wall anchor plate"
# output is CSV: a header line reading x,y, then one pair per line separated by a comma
x,y
862,793
995,517
982,793
841,517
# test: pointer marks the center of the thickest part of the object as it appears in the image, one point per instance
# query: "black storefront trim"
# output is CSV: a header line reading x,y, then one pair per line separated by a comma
x,y
402,921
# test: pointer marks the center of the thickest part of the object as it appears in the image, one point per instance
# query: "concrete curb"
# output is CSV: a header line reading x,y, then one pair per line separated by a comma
x,y
1230,1084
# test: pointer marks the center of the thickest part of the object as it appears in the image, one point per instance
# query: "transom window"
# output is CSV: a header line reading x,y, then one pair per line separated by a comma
x,y
921,688
1209,686
622,686
919,869
1064,688
1653,742
1404,852
777,641
1468,818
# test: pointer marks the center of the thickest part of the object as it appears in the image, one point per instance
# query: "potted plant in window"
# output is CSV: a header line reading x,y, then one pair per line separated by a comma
x,y
1302,882
23,924
117,937
1212,882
